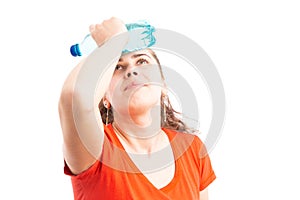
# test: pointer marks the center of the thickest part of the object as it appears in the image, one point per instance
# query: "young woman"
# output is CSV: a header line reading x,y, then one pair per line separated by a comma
x,y
140,150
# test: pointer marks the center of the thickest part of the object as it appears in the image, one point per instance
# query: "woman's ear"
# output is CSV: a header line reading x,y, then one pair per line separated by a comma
x,y
164,91
106,103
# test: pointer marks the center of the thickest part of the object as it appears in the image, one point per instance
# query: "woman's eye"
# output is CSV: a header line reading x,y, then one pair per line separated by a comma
x,y
142,61
118,67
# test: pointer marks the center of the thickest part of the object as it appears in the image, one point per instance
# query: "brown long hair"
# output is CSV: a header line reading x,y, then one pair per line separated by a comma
x,y
169,117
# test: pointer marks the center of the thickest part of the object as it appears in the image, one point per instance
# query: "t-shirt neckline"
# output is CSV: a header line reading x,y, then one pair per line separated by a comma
x,y
176,175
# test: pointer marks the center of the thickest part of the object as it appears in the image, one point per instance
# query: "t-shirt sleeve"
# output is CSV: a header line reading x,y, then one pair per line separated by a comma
x,y
207,174
91,170
67,170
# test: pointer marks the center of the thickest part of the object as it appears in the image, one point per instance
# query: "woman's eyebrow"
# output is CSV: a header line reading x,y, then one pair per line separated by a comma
x,y
139,55
136,56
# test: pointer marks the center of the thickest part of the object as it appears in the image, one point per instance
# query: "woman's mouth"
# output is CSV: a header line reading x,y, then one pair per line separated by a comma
x,y
133,85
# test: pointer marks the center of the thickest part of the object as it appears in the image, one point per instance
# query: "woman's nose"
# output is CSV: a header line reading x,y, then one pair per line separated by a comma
x,y
134,73
131,71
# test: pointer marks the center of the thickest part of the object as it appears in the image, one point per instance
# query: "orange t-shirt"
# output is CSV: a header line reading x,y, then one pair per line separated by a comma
x,y
115,176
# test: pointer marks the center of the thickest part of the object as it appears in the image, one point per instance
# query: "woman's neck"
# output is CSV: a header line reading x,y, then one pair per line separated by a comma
x,y
142,124
140,133
134,144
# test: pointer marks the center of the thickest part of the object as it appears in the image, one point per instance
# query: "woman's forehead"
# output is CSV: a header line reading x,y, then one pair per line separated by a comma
x,y
136,54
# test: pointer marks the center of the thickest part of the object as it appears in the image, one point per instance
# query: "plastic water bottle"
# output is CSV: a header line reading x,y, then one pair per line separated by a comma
x,y
140,37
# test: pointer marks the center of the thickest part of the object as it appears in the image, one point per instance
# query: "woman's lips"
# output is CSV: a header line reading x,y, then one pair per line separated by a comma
x,y
133,85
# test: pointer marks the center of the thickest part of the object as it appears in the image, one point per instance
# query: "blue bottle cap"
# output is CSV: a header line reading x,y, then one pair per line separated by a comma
x,y
75,50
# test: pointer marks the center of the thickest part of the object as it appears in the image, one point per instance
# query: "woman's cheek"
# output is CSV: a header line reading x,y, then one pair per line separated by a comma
x,y
114,82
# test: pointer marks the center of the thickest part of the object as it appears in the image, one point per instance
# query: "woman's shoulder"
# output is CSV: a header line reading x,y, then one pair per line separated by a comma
x,y
182,140
183,135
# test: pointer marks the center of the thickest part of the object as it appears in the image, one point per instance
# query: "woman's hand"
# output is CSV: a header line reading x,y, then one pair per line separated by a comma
x,y
107,29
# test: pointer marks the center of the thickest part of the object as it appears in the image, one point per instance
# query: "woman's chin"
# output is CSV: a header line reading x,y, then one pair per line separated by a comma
x,y
143,98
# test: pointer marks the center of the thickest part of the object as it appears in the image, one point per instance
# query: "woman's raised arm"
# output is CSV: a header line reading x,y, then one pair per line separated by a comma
x,y
79,114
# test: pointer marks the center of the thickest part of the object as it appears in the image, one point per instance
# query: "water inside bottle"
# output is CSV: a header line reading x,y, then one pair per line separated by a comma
x,y
140,37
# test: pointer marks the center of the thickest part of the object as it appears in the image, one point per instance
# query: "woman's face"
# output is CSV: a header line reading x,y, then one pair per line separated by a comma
x,y
136,84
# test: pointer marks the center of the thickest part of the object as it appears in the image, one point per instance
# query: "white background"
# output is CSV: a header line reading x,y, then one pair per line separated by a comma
x,y
255,46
